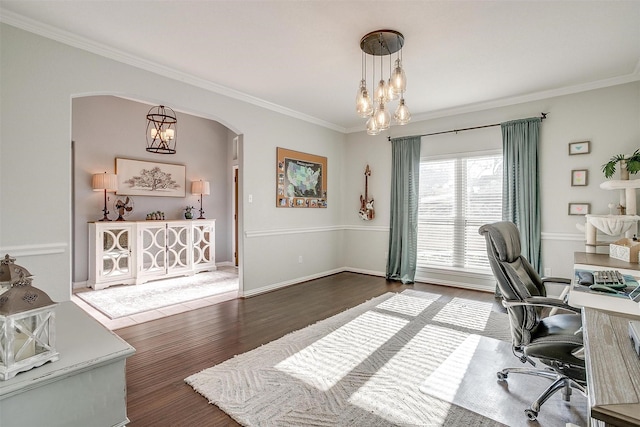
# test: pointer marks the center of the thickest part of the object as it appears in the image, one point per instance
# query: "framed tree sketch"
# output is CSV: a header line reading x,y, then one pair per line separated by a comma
x,y
301,180
142,178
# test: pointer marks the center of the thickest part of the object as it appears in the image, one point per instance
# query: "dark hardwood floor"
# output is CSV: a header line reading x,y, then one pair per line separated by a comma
x,y
170,349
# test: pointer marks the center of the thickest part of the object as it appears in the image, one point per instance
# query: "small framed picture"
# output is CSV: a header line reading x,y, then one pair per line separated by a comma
x,y
579,208
579,177
581,147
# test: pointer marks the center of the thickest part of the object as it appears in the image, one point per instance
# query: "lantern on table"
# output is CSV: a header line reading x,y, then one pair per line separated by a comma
x,y
27,322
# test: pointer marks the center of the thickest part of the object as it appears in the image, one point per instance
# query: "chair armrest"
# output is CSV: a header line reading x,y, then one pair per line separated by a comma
x,y
562,280
543,302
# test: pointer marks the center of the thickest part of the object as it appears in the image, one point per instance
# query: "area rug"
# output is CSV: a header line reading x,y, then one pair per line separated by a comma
x,y
365,367
125,300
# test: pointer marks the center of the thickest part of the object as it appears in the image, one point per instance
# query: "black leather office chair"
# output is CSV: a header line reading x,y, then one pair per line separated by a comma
x,y
556,340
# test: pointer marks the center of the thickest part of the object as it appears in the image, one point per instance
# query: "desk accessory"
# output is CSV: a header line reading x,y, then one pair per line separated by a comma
x,y
603,288
585,278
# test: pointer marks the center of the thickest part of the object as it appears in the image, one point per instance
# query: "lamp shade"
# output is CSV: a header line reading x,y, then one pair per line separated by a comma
x,y
200,187
104,181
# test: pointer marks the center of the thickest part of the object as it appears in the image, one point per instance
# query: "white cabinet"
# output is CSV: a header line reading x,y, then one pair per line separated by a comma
x,y
111,254
86,387
137,252
204,245
179,243
163,249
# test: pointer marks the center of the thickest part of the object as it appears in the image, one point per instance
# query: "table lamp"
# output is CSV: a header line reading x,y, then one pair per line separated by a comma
x,y
105,182
200,188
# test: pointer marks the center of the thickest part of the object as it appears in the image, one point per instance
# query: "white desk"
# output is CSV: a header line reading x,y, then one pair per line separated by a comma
x,y
613,368
86,387
579,296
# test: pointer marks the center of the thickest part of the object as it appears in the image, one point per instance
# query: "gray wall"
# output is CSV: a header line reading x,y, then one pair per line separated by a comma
x,y
608,117
41,77
107,127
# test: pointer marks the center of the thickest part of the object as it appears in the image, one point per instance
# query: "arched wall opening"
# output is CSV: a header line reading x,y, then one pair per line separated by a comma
x,y
106,127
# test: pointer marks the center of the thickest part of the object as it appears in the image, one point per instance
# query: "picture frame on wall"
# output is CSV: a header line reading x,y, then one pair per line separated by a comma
x,y
582,147
301,179
579,177
144,178
579,208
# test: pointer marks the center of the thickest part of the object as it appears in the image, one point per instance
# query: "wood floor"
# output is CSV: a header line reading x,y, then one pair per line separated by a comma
x,y
170,349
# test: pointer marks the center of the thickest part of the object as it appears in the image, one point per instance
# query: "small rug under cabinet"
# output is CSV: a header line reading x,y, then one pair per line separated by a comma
x,y
125,300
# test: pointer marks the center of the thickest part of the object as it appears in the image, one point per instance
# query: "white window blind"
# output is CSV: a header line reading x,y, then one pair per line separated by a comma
x,y
458,194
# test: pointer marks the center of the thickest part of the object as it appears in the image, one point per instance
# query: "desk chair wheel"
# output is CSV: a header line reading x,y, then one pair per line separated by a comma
x,y
531,414
502,375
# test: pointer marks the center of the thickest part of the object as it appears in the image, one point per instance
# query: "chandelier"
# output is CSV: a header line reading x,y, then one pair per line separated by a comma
x,y
161,130
382,43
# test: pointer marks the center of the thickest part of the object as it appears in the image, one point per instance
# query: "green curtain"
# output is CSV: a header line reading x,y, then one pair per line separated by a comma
x,y
403,236
521,183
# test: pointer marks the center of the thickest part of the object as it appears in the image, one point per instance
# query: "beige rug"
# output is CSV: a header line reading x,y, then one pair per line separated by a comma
x,y
365,367
125,300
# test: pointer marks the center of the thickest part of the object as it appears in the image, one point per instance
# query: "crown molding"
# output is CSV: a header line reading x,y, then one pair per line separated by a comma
x,y
70,39
535,96
83,43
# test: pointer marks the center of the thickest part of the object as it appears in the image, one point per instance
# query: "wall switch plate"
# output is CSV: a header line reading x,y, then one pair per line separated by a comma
x,y
250,198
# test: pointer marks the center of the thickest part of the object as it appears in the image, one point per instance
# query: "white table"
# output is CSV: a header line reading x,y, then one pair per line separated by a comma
x,y
579,296
86,387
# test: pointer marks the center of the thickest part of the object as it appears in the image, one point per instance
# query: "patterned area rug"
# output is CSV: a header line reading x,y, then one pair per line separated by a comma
x,y
125,300
366,367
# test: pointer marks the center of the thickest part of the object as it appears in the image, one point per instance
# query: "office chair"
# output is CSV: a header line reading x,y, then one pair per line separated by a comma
x,y
556,340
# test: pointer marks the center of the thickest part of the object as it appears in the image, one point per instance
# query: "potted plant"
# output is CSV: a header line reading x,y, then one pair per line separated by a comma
x,y
628,165
187,212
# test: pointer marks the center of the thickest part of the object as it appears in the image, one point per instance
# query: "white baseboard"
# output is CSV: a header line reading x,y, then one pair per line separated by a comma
x,y
80,285
269,288
275,286
363,271
454,284
225,264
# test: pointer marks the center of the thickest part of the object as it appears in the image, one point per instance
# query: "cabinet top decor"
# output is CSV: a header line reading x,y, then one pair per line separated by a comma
x,y
18,294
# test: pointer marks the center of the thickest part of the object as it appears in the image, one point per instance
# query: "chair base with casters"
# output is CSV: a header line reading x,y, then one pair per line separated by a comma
x,y
560,382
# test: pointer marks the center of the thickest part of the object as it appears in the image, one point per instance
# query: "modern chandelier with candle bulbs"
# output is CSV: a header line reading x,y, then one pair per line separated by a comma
x,y
374,106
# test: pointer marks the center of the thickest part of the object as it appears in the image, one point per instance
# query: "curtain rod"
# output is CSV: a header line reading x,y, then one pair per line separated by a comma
x,y
542,117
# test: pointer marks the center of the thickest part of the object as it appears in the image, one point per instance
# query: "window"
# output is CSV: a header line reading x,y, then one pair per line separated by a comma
x,y
458,194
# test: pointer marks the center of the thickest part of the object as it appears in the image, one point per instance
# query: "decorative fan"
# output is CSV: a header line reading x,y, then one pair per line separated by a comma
x,y
124,206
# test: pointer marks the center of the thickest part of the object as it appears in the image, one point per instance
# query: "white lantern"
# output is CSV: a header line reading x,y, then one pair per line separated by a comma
x,y
27,322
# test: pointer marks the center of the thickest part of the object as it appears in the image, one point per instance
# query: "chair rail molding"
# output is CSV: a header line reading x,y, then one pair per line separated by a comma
x,y
281,231
579,237
304,230
35,249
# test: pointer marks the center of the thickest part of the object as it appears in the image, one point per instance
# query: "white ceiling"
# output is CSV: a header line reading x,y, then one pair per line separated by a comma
x,y
303,57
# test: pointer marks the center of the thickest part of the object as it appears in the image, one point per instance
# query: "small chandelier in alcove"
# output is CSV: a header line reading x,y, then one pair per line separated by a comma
x,y
161,130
